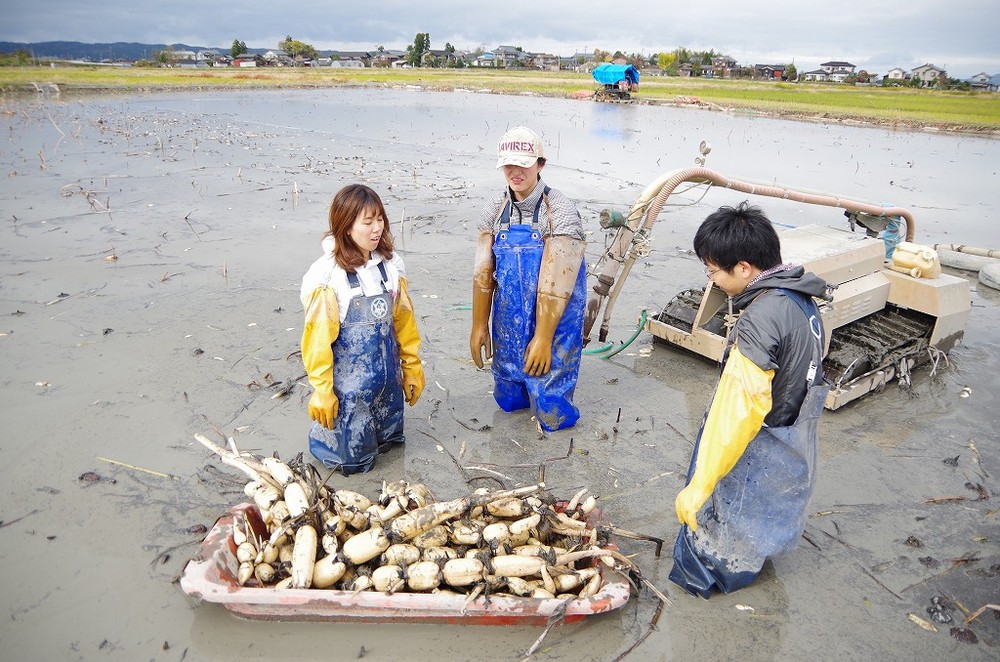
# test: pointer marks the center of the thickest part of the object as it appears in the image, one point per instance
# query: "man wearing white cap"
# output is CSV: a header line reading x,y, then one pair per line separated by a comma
x,y
530,277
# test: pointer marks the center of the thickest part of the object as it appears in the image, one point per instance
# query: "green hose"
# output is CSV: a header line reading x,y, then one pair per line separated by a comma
x,y
638,330
599,350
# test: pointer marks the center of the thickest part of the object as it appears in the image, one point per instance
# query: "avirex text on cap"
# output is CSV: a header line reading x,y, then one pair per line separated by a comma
x,y
520,147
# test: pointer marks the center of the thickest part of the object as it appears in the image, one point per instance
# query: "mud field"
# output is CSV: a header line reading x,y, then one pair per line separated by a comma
x,y
151,250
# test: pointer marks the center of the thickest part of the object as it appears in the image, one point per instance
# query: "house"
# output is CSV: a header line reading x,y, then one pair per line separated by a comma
x,y
440,58
507,56
278,59
928,74
346,64
207,56
386,58
546,62
897,73
983,81
723,66
769,71
835,67
833,71
487,59
245,60
568,63
350,59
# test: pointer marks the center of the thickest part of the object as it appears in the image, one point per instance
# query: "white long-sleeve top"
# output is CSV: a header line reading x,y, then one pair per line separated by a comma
x,y
325,272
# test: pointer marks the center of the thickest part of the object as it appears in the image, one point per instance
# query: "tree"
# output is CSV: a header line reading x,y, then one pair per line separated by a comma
x,y
165,57
298,49
238,48
637,60
421,46
791,73
667,63
19,58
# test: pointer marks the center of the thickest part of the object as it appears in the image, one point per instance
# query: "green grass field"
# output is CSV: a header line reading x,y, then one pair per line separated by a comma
x,y
976,111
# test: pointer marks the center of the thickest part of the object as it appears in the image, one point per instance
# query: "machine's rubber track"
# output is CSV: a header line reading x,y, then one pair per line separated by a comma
x,y
879,340
680,312
876,341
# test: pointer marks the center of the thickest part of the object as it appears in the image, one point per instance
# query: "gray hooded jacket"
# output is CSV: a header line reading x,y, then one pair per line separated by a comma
x,y
773,332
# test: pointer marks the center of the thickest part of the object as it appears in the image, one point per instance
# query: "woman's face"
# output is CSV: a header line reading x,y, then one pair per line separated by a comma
x,y
367,230
521,180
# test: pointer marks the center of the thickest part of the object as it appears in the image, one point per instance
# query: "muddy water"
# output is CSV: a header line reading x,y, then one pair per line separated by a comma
x,y
150,256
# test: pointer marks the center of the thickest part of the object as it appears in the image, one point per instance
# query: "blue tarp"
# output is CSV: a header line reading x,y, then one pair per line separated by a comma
x,y
610,74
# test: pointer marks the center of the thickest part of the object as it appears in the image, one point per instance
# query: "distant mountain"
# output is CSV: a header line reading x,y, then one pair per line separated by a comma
x,y
129,51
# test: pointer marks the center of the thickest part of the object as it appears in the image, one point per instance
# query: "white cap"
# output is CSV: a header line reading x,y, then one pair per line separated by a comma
x,y
521,147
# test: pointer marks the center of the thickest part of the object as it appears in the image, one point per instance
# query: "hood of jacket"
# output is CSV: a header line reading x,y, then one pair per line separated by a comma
x,y
795,279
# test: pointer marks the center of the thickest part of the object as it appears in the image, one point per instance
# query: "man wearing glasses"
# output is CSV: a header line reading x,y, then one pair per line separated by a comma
x,y
753,466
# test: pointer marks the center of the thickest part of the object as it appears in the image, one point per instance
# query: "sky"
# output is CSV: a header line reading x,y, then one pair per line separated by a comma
x,y
960,36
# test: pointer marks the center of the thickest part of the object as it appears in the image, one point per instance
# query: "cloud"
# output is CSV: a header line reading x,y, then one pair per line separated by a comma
x,y
873,34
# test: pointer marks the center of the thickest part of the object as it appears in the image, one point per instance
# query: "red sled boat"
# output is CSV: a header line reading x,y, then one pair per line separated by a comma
x,y
211,576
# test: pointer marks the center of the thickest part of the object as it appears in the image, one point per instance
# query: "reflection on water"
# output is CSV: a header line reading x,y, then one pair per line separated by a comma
x,y
617,124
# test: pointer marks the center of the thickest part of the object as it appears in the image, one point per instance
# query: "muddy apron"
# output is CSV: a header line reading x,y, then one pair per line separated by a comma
x,y
367,380
518,250
758,509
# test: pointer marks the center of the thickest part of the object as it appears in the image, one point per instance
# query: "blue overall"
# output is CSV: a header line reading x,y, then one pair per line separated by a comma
x,y
518,251
758,509
368,381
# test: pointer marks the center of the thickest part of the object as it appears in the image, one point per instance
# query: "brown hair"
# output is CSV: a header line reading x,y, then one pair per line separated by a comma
x,y
348,204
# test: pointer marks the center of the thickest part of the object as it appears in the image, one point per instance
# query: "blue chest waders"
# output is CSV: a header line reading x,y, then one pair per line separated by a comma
x,y
518,250
368,381
758,509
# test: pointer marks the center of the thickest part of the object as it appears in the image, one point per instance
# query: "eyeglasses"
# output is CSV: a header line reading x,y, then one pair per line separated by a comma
x,y
712,272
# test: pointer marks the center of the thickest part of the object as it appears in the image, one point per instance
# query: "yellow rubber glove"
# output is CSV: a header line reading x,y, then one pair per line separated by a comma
x,y
322,326
408,337
480,342
735,416
561,261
